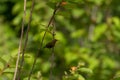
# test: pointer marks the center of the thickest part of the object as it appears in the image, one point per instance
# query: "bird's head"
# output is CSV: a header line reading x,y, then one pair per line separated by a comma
x,y
55,40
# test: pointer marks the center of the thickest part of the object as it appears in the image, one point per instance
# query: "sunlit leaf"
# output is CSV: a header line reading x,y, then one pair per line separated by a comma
x,y
77,33
85,70
99,31
77,12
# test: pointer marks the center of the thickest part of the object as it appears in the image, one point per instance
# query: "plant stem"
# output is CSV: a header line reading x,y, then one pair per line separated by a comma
x,y
20,43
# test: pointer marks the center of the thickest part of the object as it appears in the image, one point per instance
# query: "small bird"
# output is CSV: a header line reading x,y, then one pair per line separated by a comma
x,y
51,44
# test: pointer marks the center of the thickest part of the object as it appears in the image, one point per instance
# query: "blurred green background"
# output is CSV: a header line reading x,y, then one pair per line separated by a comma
x,y
88,32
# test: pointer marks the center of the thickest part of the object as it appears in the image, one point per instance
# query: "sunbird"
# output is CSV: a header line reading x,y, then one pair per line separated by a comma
x,y
51,44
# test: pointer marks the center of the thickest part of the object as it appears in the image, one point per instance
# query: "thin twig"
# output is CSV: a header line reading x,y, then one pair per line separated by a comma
x,y
52,57
52,18
41,44
20,43
53,54
26,40
93,20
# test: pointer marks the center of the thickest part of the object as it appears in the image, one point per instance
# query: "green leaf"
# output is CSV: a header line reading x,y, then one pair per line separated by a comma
x,y
17,19
55,1
70,6
68,57
51,5
116,21
85,70
17,8
99,31
75,1
80,77
77,33
3,61
116,34
117,76
77,12
64,14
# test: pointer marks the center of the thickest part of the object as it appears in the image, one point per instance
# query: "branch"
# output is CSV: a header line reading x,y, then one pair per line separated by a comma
x,y
20,43
52,57
26,40
41,44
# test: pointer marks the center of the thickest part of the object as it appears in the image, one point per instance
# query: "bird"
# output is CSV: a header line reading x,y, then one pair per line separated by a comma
x,y
51,44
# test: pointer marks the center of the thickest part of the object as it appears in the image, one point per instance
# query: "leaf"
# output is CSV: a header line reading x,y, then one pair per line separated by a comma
x,y
3,61
68,57
116,22
64,14
17,8
80,77
75,1
54,1
99,31
70,6
116,34
77,33
117,76
17,19
85,70
77,12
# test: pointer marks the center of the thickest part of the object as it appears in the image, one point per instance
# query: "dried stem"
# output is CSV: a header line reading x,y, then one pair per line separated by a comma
x,y
26,40
93,22
20,43
53,55
41,44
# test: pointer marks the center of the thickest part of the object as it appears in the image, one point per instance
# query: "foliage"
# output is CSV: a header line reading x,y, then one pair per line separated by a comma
x,y
77,73
88,31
